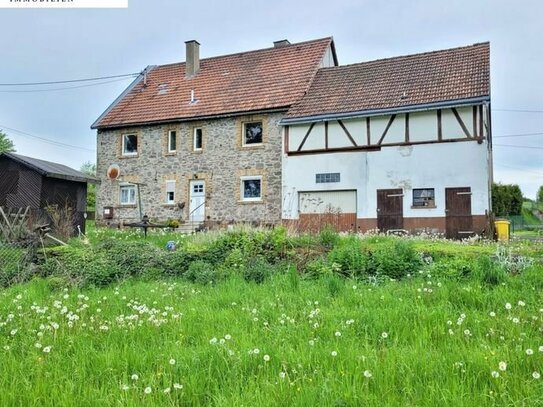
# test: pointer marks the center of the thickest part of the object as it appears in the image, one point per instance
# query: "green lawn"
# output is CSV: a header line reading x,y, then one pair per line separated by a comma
x,y
460,324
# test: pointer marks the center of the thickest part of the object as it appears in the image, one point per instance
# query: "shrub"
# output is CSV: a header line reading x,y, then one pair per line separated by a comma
x,y
396,259
328,237
351,258
201,272
258,270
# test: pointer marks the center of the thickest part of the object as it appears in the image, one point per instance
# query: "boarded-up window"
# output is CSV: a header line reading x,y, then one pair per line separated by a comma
x,y
424,197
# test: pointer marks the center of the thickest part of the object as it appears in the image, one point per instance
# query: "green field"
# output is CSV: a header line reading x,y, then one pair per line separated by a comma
x,y
319,325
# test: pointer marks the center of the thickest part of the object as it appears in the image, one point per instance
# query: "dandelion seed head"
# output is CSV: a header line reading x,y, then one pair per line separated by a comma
x,y
134,377
502,366
172,362
536,375
337,334
367,374
334,353
177,386
495,374
508,305
384,335
148,390
266,358
529,352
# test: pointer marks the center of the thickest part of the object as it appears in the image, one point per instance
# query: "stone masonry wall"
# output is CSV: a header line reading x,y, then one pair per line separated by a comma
x,y
221,163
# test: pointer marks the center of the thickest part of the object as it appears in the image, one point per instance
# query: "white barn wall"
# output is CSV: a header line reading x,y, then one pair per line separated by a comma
x,y
438,166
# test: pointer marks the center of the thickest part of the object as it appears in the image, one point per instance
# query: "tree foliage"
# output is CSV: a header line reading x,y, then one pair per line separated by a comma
x,y
539,197
506,200
6,145
89,168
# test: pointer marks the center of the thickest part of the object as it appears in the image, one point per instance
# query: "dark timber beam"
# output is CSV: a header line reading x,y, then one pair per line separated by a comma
x,y
461,122
347,133
306,136
386,129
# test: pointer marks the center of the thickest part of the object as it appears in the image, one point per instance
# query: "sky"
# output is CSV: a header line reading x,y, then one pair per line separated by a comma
x,y
39,45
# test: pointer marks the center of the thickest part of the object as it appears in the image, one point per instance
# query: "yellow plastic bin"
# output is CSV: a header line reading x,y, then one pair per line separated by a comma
x,y
502,229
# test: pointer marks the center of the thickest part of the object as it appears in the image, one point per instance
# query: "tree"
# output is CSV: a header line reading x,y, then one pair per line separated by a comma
x,y
506,200
90,169
539,197
6,145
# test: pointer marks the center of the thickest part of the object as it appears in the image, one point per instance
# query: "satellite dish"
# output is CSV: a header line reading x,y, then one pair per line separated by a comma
x,y
113,172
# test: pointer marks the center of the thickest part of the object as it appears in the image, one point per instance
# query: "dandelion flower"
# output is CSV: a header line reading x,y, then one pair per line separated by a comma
x,y
177,386
508,305
529,352
492,314
467,332
266,358
256,351
502,366
227,337
311,342
334,353
384,335
47,349
495,374
134,377
536,375
172,362
515,320
13,332
367,374
148,390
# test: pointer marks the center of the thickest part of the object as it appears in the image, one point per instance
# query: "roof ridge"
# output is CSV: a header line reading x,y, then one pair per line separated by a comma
x,y
250,51
406,56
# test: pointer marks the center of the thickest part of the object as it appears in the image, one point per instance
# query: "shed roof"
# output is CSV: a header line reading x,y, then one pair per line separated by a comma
x,y
394,83
50,169
265,79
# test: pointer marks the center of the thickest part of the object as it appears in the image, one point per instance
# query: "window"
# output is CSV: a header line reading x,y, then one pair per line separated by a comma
x,y
327,177
251,188
424,197
170,192
197,139
127,194
172,141
252,133
130,144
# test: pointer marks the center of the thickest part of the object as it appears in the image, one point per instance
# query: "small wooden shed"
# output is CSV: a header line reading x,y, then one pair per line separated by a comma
x,y
30,182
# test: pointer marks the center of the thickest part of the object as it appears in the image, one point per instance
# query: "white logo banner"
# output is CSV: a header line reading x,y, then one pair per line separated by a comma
x,y
47,4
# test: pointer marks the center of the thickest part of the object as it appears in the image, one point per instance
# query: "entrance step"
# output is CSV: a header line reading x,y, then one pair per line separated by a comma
x,y
190,227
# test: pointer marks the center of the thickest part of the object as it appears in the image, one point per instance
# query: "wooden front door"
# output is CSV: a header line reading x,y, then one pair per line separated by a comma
x,y
197,201
389,209
458,220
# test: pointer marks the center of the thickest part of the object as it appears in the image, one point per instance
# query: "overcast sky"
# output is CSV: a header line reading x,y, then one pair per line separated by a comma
x,y
48,45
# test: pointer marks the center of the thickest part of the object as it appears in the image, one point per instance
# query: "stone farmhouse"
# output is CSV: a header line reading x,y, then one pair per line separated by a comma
x,y
285,134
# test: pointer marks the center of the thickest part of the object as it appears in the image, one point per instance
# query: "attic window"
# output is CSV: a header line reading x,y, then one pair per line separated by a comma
x,y
252,133
162,89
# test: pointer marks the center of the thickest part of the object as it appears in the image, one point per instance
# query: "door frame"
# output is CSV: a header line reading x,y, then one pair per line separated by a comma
x,y
195,207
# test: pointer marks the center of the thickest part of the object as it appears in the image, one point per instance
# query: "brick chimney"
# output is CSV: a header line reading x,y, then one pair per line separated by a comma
x,y
192,63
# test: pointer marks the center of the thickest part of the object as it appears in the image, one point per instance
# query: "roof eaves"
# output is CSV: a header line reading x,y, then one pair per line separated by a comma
x,y
134,83
381,112
193,118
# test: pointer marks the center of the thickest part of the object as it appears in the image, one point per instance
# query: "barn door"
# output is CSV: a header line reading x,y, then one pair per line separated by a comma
x,y
459,222
389,209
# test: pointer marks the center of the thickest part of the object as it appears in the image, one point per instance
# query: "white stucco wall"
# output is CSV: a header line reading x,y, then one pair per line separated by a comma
x,y
438,166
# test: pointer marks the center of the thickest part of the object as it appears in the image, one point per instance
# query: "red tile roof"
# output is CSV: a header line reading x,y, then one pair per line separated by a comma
x,y
248,81
432,77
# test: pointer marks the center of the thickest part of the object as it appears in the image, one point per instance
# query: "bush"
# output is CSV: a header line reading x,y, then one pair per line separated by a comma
x,y
350,257
201,272
328,237
258,270
395,259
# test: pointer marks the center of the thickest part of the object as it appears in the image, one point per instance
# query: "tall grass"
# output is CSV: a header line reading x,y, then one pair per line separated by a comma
x,y
423,341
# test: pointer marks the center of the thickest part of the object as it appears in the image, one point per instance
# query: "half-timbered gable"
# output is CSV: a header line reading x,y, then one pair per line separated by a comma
x,y
396,144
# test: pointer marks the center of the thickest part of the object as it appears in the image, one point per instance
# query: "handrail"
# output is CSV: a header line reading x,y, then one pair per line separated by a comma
x,y
191,215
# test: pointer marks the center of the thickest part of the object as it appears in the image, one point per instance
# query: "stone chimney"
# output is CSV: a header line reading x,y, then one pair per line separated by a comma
x,y
192,63
281,43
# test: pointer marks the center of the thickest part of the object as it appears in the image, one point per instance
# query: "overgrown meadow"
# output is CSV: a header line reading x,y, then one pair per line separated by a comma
x,y
261,318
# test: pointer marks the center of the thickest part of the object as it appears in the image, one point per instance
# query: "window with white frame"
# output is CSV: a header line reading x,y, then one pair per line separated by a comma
x,y
130,144
424,197
127,194
197,140
251,188
252,133
172,141
170,192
